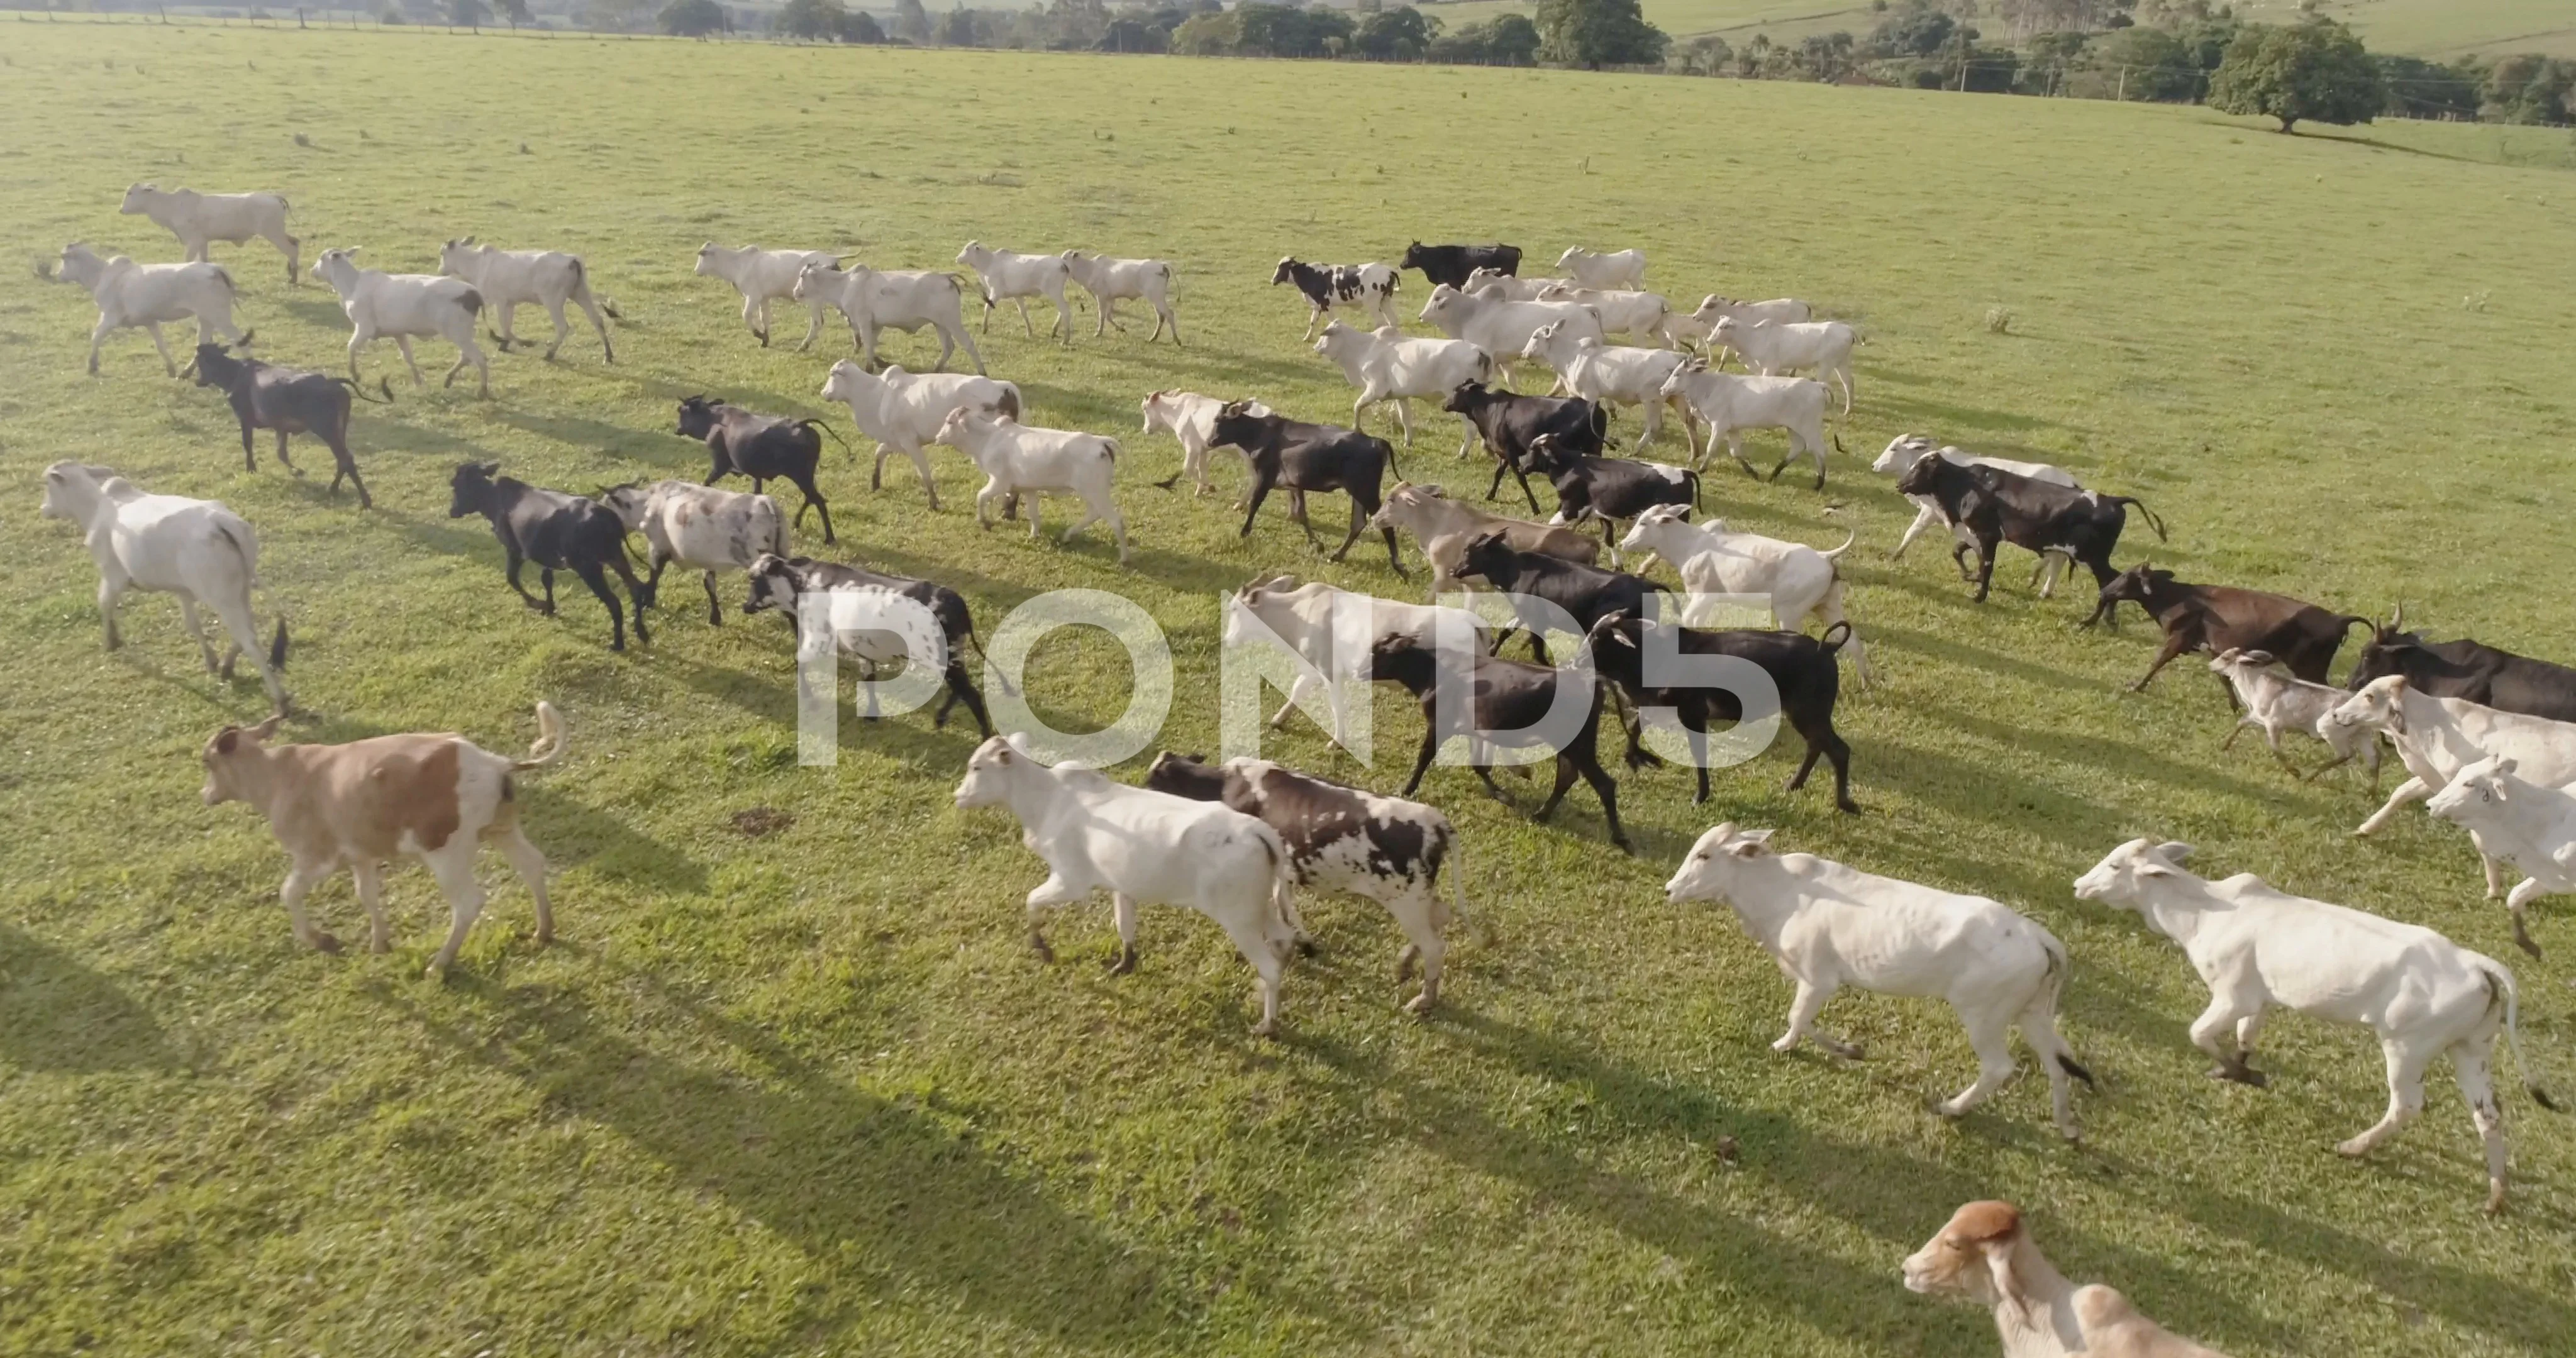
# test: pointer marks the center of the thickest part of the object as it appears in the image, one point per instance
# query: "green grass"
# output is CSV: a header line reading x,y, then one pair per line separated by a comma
x,y
811,1094
1737,20
2451,28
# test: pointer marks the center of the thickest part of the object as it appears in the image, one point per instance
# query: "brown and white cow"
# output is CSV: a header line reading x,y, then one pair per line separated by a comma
x,y
435,797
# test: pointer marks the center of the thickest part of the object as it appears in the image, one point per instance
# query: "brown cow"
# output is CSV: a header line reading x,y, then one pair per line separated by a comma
x,y
1985,1253
437,798
2300,635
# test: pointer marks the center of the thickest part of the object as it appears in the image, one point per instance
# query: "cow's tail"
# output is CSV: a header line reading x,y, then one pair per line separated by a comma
x,y
778,531
825,428
551,742
472,300
981,654
1010,402
1691,478
2500,988
2042,1014
250,581
2148,514
1390,459
359,390
1849,537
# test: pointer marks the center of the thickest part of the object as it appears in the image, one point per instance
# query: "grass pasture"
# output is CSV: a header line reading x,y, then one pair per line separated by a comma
x,y
809,1093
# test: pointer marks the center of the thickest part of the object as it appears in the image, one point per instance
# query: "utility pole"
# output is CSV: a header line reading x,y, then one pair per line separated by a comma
x,y
2123,95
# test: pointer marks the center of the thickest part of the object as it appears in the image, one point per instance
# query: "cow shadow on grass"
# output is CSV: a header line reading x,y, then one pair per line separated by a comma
x,y
886,1198
656,445
59,1014
1965,656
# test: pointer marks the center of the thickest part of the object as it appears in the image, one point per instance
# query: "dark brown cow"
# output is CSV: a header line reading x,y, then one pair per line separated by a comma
x,y
2300,635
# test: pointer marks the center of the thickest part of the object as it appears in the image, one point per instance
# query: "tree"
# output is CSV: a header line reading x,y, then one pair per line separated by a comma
x,y
2310,72
2525,88
1399,34
692,18
1597,33
860,26
812,20
1914,33
2420,87
515,12
957,28
1512,40
1209,35
467,13
911,21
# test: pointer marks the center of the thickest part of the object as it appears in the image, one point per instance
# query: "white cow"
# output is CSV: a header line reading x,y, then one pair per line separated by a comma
x,y
1191,419
168,544
546,278
1386,366
1799,581
902,410
199,219
700,527
147,296
1014,277
2273,702
398,306
1615,373
1443,527
1334,630
1638,315
1905,450
1143,848
1729,405
2257,946
1019,459
2437,737
1510,287
763,277
1110,281
1695,327
1829,926
893,299
1500,327
2519,821
1774,348
1603,268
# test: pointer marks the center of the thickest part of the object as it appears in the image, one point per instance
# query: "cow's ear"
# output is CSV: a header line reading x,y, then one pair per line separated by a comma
x,y
1750,844
2173,853
2505,764
227,740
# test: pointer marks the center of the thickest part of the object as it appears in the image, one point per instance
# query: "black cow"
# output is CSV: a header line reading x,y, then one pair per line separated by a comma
x,y
1995,506
1508,423
557,531
761,447
776,582
290,401
1369,287
2215,618
1498,697
1340,839
1299,457
1589,593
2468,669
1802,668
1611,489
1451,264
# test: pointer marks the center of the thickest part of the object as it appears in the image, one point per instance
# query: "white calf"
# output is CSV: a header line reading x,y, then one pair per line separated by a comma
x,y
2274,702
1800,582
1018,459
700,527
397,306
1014,277
1142,847
1110,281
1729,405
2437,737
1191,420
1775,349
146,296
546,278
2257,946
1618,374
2519,821
1509,287
884,299
902,410
1386,366
1639,315
1695,327
168,544
1603,268
763,277
1501,327
199,219
1829,926
1334,630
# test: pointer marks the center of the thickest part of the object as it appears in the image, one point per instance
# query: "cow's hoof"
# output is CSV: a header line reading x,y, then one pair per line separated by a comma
x,y
1124,963
1419,1006
325,943
2353,1149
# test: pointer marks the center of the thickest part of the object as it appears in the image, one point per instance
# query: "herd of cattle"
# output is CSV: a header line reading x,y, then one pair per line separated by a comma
x,y
2489,737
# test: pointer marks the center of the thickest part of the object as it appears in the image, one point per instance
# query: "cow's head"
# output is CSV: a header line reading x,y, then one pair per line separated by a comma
x,y
1972,1256
453,254
697,416
1238,421
814,278
973,249
2124,873
961,422
1488,556
71,488
1709,872
2140,584
775,582
470,489
2486,783
991,771
1657,521
1922,477
2236,658
1469,396
227,752
1902,452
848,381
2381,703
1413,256
1443,300
1186,775
2390,650
215,366
337,267
1287,270
1548,455
138,198
707,258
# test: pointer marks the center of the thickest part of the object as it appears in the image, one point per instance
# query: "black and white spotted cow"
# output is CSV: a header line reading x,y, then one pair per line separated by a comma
x,y
1343,839
1368,287
776,582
